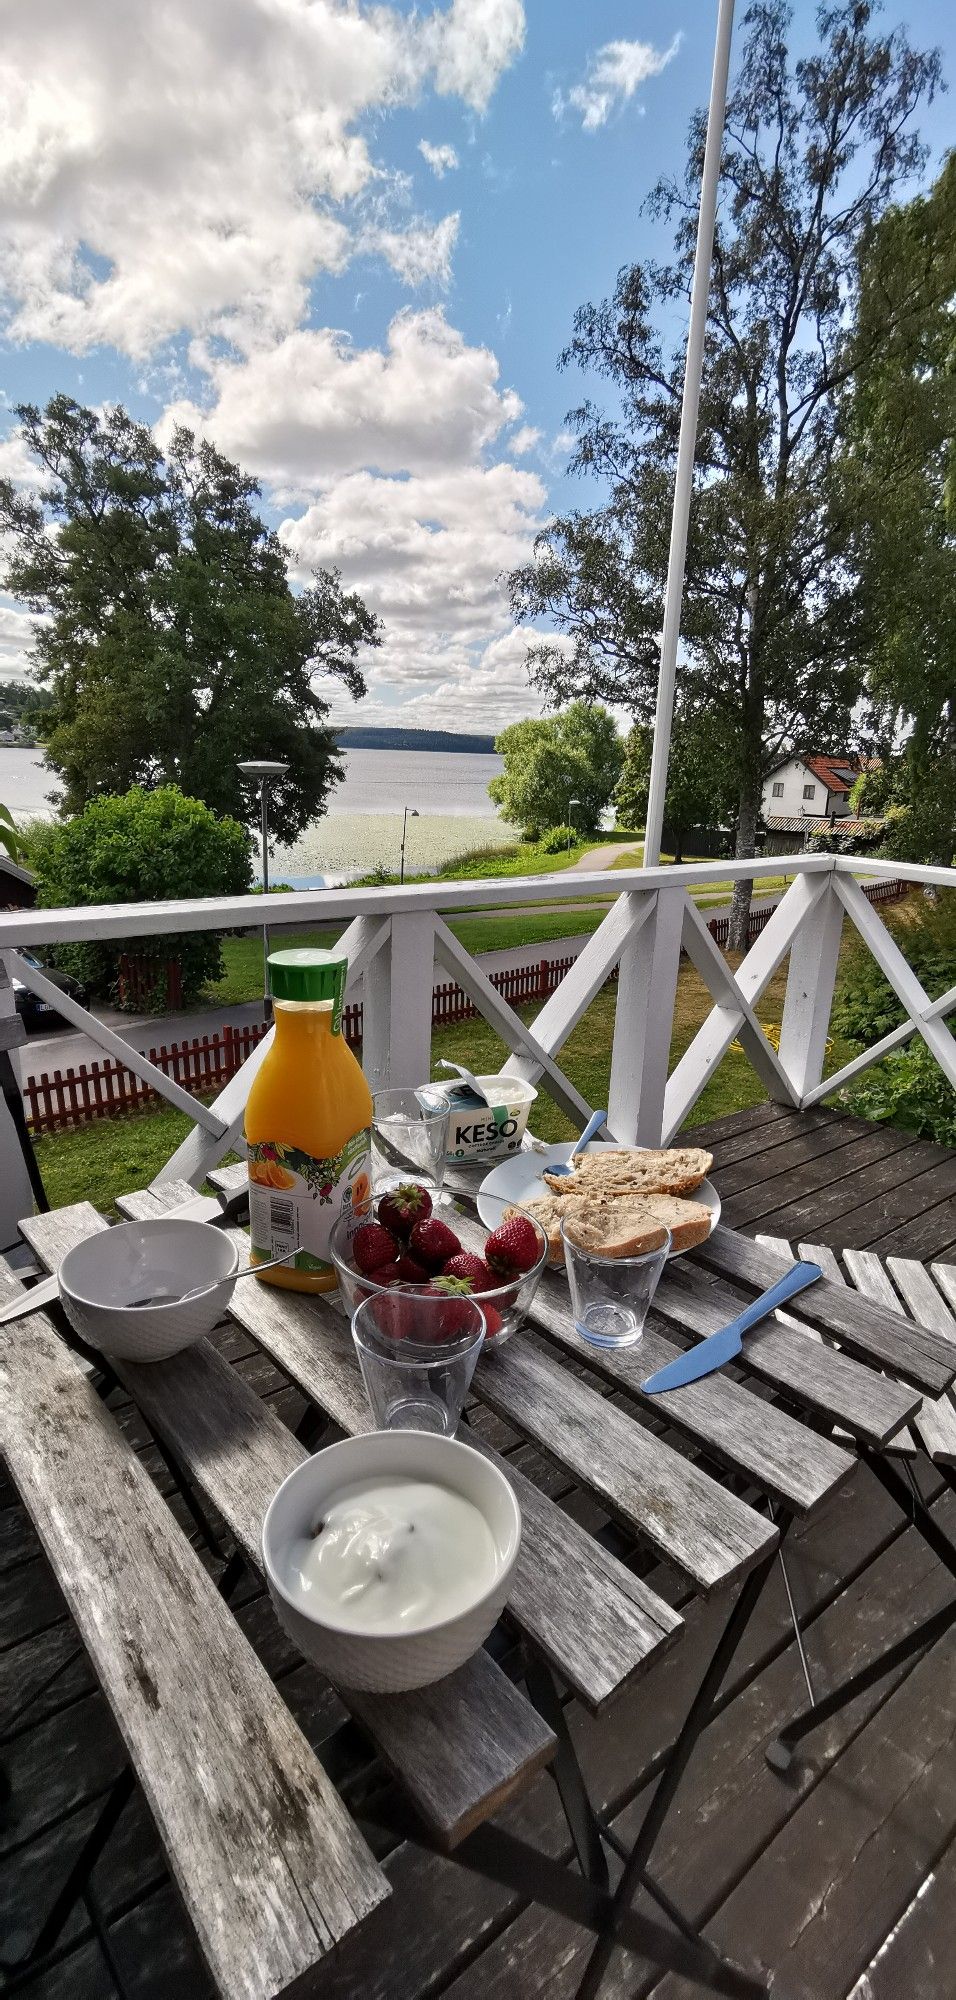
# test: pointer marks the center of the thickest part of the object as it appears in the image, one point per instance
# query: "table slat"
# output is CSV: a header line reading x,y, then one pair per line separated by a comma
x,y
772,1449
272,1870
833,1385
238,1452
691,1521
882,1338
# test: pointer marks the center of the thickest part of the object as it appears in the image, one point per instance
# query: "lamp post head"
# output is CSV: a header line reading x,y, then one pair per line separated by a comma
x,y
262,768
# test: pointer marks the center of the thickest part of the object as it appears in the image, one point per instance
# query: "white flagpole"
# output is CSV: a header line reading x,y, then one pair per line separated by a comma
x,y
684,479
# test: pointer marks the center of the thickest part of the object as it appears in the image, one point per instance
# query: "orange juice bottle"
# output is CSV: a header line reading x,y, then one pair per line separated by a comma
x,y
308,1124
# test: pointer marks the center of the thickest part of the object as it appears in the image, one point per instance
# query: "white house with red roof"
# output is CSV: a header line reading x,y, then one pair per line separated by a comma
x,y
815,788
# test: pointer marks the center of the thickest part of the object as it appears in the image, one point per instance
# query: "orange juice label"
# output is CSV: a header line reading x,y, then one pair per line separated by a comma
x,y
294,1198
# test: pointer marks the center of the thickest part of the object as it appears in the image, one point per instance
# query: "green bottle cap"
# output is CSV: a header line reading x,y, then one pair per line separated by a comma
x,y
308,975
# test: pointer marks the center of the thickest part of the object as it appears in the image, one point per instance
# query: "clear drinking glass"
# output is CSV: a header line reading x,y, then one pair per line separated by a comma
x,y
611,1296
409,1136
417,1354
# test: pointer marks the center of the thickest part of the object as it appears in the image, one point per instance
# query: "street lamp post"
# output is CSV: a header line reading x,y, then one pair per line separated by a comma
x,y
263,770
571,826
409,813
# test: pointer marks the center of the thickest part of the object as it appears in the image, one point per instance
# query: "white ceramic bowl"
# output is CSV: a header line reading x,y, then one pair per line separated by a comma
x,y
100,1277
389,1662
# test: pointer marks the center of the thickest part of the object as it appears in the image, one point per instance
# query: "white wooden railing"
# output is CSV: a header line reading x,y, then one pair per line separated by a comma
x,y
396,935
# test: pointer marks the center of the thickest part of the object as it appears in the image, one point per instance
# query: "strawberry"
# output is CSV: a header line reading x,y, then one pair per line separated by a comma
x,y
410,1271
402,1207
388,1274
432,1243
372,1246
467,1265
457,1316
493,1320
394,1315
514,1247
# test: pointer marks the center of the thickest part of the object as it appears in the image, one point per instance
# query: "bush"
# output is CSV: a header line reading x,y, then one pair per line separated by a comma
x,y
909,1089
558,839
141,847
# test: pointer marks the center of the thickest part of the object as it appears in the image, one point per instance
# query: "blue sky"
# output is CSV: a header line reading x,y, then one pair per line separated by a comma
x,y
220,211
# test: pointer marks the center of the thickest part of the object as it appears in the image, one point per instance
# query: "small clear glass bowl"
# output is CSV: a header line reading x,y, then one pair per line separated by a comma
x,y
509,1302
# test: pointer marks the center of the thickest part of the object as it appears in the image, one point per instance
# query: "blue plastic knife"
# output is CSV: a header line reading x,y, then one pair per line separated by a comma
x,y
719,1348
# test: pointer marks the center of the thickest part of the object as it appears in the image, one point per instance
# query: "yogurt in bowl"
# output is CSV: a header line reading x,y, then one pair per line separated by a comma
x,y
389,1557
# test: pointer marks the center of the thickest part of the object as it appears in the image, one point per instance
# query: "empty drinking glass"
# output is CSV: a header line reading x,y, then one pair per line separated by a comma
x,y
409,1136
417,1354
611,1296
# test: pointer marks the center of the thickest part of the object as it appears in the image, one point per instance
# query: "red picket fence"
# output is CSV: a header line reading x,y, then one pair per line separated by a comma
x,y
101,1089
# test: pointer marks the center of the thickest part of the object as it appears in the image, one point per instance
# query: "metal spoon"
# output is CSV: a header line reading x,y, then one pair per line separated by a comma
x,y
593,1125
180,1298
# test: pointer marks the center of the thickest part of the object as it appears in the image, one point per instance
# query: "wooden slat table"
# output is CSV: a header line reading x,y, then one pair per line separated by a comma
x,y
587,1622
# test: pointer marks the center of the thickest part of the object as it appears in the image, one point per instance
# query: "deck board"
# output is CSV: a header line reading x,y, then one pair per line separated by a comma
x,y
742,1844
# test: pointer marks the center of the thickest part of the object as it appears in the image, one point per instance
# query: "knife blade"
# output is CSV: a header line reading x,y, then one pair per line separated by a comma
x,y
721,1347
202,1208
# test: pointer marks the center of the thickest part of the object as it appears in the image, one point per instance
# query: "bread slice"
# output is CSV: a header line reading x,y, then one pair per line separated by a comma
x,y
689,1222
614,1228
625,1170
548,1210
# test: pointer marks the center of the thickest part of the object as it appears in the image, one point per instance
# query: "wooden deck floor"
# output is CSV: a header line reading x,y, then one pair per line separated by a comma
x,y
842,1880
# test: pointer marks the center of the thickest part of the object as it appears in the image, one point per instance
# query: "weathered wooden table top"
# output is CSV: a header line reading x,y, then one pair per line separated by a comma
x,y
273,1870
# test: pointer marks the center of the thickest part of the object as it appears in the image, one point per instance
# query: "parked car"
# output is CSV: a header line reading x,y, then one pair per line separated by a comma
x,y
35,1012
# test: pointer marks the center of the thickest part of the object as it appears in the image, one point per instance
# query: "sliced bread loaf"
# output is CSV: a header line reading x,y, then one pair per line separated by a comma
x,y
663,1170
614,1228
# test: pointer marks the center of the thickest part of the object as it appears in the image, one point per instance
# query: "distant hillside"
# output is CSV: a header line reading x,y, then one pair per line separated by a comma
x,y
354,737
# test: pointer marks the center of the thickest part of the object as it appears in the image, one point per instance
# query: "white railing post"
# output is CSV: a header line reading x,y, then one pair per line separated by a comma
x,y
811,978
647,990
16,1194
397,1005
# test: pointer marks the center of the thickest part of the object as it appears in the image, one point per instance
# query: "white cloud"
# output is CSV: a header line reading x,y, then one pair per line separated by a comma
x,y
442,159
179,167
471,44
420,253
313,406
16,637
525,439
427,552
611,79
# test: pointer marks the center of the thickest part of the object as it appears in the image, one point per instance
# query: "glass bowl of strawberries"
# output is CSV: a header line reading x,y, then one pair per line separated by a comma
x,y
398,1243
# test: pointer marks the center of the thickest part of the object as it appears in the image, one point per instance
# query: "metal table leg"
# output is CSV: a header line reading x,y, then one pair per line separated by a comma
x,y
695,1722
779,1753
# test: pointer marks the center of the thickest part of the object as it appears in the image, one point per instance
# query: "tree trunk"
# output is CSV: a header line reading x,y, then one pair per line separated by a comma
x,y
678,848
749,810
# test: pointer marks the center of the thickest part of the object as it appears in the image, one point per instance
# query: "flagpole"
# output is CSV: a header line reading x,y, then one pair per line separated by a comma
x,y
684,478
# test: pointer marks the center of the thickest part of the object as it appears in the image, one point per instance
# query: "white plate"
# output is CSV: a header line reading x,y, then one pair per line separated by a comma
x,y
519,1180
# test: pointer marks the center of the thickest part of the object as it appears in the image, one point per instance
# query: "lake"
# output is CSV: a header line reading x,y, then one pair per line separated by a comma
x,y
363,826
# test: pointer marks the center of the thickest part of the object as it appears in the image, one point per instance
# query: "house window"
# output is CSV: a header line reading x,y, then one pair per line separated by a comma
x,y
809,791
778,791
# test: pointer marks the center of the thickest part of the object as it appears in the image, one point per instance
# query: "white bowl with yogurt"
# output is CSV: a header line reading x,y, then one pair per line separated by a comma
x,y
389,1557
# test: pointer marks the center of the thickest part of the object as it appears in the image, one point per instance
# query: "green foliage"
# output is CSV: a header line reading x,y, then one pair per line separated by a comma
x,y
142,847
11,839
866,1007
909,1089
558,840
773,636
172,641
700,778
575,755
25,703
